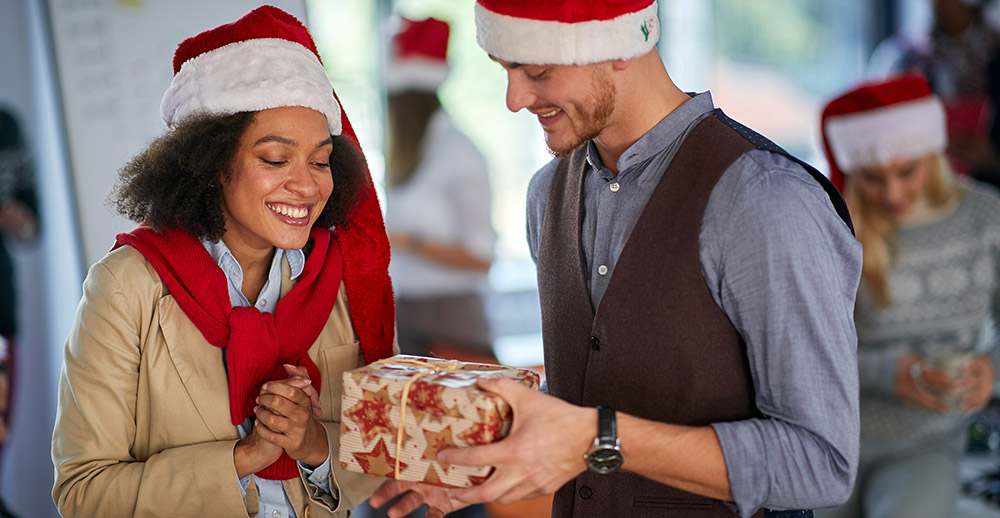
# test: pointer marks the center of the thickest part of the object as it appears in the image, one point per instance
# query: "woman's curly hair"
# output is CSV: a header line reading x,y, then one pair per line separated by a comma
x,y
176,182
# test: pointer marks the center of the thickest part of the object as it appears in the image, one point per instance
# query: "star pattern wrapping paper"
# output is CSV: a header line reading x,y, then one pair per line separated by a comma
x,y
443,410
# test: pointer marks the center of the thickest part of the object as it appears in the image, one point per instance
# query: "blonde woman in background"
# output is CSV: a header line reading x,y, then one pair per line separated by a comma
x,y
930,280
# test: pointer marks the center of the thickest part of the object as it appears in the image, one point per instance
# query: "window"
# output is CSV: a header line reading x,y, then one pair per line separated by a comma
x,y
770,64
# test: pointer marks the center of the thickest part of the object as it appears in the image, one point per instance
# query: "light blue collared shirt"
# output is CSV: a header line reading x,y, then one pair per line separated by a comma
x,y
784,268
274,502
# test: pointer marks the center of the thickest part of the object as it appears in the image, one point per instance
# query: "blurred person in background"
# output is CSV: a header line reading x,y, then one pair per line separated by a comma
x,y
960,57
437,204
202,374
437,213
19,221
930,279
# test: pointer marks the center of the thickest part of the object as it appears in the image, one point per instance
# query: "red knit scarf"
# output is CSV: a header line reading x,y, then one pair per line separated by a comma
x,y
256,343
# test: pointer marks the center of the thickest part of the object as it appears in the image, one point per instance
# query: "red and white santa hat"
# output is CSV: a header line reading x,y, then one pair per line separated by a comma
x,y
418,56
879,123
566,32
266,59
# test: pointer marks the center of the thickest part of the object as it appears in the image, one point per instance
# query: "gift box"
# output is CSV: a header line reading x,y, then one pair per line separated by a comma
x,y
439,406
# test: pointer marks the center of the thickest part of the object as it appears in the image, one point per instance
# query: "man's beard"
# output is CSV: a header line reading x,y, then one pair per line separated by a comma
x,y
589,123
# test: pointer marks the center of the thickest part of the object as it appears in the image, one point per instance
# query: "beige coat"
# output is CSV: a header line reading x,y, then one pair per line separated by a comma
x,y
143,426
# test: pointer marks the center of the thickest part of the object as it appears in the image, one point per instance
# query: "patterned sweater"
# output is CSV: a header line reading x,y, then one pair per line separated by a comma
x,y
945,286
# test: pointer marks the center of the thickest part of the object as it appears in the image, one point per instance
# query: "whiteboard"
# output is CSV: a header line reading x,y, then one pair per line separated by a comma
x,y
113,61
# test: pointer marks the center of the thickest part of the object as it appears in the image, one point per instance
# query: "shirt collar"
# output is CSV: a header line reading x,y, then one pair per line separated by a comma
x,y
658,138
224,258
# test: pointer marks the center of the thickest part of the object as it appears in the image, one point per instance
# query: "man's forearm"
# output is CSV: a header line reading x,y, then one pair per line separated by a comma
x,y
688,458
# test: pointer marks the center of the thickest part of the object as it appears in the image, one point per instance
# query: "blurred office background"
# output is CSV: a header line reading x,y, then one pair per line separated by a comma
x,y
85,78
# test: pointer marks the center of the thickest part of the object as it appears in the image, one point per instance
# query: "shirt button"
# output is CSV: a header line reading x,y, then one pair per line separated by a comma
x,y
595,344
262,303
615,186
586,492
276,514
602,269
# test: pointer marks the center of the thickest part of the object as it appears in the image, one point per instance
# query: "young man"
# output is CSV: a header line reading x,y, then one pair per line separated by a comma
x,y
697,287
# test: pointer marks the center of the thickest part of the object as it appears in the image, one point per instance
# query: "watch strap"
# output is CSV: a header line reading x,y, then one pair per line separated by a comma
x,y
607,427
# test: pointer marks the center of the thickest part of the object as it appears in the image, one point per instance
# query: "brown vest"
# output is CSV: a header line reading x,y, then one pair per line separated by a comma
x,y
658,346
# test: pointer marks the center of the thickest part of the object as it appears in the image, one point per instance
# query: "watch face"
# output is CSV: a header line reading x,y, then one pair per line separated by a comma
x,y
605,460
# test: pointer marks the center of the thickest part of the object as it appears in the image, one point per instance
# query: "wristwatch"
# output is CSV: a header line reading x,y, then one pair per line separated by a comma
x,y
605,455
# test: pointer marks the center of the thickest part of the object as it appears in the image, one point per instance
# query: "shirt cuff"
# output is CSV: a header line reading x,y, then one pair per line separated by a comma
x,y
320,475
743,450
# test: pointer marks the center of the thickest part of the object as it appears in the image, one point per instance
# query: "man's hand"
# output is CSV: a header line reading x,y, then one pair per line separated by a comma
x,y
543,451
286,409
438,499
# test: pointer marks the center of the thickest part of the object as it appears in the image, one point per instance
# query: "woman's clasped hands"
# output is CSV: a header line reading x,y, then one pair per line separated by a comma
x,y
286,414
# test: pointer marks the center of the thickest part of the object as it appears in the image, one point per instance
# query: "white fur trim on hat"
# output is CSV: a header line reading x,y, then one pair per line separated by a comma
x,y
880,137
538,42
420,74
251,75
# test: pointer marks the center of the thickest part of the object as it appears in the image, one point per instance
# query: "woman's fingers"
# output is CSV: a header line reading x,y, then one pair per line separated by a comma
x,y
300,377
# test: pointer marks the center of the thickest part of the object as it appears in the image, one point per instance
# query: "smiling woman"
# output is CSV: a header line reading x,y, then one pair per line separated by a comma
x,y
212,338
177,181
279,185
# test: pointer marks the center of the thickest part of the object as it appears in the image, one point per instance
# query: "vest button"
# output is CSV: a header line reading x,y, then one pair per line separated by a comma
x,y
595,344
586,492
